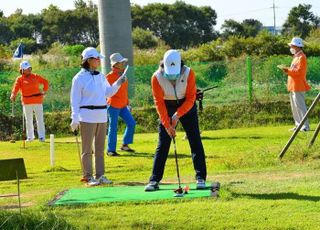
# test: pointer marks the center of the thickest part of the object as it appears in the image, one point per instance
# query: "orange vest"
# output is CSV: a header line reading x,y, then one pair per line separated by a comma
x,y
297,81
30,85
160,91
120,99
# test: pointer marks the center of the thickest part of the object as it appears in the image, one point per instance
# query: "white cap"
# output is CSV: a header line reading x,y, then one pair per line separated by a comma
x,y
172,62
116,58
296,42
25,65
90,52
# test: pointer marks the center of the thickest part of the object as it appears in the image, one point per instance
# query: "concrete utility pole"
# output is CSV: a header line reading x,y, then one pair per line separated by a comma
x,y
115,30
274,18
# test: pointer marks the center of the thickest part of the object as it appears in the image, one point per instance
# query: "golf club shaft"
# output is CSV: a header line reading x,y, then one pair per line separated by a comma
x,y
23,130
12,109
78,147
209,88
176,157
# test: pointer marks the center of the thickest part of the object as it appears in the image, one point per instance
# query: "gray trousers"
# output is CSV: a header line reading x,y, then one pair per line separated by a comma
x,y
299,108
90,131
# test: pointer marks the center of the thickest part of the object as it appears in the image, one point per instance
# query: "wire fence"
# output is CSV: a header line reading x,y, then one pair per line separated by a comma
x,y
231,76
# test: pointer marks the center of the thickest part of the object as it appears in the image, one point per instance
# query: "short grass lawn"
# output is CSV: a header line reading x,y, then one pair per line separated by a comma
x,y
258,191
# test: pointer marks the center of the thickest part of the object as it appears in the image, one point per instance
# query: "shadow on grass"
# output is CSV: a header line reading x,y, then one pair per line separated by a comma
x,y
230,138
279,196
140,154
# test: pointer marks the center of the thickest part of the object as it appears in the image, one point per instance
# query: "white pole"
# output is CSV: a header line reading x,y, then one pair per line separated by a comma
x,y
52,150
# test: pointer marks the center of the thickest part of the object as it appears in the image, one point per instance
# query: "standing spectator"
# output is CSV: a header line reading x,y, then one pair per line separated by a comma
x,y
297,83
33,88
174,94
118,105
89,111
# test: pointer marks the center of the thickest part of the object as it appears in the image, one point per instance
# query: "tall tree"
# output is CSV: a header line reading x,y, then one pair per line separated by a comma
x,y
247,28
231,27
300,21
180,25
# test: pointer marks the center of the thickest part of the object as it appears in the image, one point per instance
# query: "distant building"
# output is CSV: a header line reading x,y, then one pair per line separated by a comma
x,y
271,29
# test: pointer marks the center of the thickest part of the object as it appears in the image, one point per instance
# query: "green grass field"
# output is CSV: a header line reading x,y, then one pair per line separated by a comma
x,y
258,190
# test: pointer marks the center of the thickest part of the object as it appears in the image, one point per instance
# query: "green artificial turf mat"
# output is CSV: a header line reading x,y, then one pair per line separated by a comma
x,y
123,194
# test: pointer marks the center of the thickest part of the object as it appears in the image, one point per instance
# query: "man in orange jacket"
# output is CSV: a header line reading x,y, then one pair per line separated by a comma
x,y
297,83
31,98
118,105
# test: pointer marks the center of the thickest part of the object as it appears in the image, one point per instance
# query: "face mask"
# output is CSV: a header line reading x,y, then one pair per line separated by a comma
x,y
171,77
293,51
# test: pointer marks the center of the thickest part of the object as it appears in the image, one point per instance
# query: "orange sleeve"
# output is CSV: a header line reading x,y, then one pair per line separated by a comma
x,y
190,95
111,77
299,68
44,82
158,98
16,86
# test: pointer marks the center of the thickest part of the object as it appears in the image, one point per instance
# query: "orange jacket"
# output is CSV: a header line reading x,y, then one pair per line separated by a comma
x,y
158,96
297,81
30,85
120,99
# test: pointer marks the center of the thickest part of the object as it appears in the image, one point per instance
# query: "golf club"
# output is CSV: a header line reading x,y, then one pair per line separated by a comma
x,y
23,131
179,191
75,132
12,119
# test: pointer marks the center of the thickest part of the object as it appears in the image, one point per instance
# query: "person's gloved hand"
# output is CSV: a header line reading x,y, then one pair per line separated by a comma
x,y
174,119
171,131
121,80
12,97
123,77
199,95
74,125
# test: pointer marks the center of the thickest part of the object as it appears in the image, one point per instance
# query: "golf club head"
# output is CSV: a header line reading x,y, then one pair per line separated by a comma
x,y
84,180
178,190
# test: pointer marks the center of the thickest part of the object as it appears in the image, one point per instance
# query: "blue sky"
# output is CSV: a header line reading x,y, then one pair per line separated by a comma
x,y
226,9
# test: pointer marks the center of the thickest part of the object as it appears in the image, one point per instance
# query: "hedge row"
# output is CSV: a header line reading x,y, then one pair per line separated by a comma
x,y
211,118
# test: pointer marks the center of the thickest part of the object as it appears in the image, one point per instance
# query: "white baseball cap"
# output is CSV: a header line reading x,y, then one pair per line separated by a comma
x,y
116,58
296,42
172,62
25,65
90,52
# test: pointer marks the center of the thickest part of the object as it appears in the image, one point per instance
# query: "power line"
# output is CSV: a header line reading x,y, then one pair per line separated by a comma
x,y
245,12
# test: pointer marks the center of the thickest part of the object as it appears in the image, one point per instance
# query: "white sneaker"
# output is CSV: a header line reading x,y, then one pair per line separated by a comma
x,y
92,181
152,186
201,184
104,180
29,139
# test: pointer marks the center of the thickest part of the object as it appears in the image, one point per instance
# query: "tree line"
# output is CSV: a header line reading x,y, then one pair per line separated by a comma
x,y
177,25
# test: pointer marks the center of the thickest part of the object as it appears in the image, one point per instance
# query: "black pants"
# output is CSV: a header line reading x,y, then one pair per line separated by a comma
x,y
191,126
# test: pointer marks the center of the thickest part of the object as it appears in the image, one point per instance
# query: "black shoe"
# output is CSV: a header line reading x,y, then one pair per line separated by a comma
x,y
113,154
127,149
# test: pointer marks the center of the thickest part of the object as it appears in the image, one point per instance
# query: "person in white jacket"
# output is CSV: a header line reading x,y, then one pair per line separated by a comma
x,y
89,112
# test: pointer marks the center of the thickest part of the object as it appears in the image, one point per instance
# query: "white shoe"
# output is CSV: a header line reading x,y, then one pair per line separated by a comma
x,y
92,181
152,186
201,184
29,139
104,180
